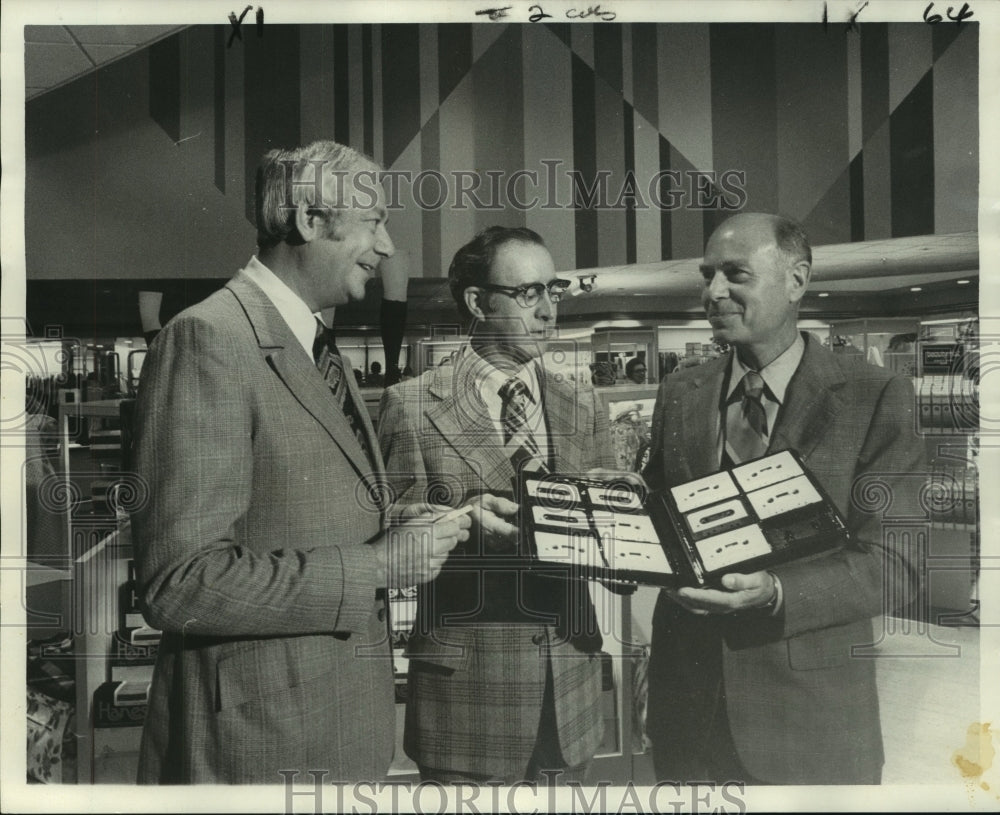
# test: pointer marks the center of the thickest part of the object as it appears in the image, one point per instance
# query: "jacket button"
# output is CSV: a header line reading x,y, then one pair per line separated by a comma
x,y
381,615
538,639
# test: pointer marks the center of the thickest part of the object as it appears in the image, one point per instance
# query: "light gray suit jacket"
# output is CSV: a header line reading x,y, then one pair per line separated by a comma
x,y
802,704
251,557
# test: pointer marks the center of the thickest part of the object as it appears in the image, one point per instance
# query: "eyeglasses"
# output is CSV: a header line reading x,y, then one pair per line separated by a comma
x,y
528,296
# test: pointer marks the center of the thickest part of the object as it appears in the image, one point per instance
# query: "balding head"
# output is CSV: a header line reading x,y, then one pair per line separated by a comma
x,y
787,235
756,270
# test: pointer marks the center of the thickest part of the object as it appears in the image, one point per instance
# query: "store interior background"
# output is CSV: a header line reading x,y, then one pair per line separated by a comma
x,y
141,147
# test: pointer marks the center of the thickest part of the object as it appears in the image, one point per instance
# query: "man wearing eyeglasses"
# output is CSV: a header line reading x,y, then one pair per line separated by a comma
x,y
504,673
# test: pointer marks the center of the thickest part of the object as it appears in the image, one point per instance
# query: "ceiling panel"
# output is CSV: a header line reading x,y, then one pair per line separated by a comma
x,y
56,54
46,33
51,63
120,34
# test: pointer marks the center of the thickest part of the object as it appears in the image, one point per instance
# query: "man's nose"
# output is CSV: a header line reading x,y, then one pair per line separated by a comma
x,y
718,287
545,309
383,243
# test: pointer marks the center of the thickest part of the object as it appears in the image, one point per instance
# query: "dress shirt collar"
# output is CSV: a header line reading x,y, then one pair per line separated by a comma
x,y
776,374
490,379
290,306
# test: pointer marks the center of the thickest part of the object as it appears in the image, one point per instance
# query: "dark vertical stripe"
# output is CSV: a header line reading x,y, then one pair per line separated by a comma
x,y
666,234
712,217
812,112
454,56
744,108
497,135
271,101
645,94
585,161
368,91
341,85
942,36
911,159
874,78
608,54
858,197
430,156
561,30
400,89
220,107
631,249
165,85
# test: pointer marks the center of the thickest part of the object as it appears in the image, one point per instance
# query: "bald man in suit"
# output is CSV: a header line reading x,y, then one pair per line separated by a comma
x,y
756,680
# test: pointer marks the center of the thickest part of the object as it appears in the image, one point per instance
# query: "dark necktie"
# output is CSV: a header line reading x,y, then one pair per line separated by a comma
x,y
328,360
517,437
331,364
746,436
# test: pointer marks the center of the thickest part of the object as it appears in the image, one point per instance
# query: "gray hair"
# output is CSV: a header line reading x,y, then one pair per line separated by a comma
x,y
791,238
284,181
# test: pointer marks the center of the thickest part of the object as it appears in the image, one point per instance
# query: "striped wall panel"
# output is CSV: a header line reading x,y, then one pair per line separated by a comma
x,y
862,136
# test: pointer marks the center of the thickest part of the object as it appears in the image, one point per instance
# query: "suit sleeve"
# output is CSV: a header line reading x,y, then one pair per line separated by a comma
x,y
653,471
399,442
195,451
876,572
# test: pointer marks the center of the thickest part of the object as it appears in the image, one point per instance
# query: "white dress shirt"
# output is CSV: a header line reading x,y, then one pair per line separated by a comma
x,y
290,306
776,375
489,381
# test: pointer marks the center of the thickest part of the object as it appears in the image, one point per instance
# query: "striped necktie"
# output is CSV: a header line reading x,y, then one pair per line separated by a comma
x,y
746,430
517,437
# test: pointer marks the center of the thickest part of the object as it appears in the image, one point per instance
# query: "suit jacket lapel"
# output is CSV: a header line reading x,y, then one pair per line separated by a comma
x,y
812,402
564,413
371,439
700,419
286,358
461,417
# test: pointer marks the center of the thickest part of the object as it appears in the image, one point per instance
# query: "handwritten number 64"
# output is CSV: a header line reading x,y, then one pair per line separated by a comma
x,y
964,14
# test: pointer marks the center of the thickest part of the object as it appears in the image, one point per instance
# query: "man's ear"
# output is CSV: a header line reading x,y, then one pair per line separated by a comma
x,y
798,280
309,222
473,301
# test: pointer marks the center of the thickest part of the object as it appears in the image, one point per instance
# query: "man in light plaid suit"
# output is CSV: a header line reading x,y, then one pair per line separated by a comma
x,y
505,674
262,552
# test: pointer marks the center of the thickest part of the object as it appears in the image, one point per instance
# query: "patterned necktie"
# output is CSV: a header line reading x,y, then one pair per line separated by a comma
x,y
746,435
331,364
328,360
517,437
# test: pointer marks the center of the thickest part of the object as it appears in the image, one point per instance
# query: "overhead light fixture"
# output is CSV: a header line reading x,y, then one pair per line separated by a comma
x,y
587,282
916,288
963,282
823,294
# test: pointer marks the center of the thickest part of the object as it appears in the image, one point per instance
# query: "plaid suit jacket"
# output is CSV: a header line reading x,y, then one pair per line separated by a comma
x,y
251,558
478,663
802,706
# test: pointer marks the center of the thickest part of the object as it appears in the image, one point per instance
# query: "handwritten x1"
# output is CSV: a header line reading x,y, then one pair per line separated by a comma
x,y
236,22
